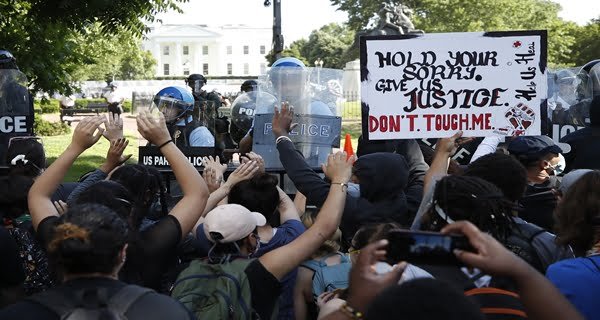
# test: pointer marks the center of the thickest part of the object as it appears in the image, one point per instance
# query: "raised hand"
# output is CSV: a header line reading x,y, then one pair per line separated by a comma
x,y
251,156
244,172
115,152
152,128
450,145
114,127
282,121
85,135
210,176
339,167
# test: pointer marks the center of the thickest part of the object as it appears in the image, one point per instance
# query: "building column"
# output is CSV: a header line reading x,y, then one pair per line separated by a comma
x,y
197,65
177,68
157,53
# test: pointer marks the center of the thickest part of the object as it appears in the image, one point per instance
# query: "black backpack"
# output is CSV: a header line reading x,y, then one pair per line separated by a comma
x,y
520,242
71,306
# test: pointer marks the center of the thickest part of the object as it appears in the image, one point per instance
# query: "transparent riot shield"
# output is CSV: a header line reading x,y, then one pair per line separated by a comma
x,y
16,109
314,95
188,125
570,92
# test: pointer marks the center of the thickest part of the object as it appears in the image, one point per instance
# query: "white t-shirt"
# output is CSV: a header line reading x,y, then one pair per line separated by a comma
x,y
68,101
113,97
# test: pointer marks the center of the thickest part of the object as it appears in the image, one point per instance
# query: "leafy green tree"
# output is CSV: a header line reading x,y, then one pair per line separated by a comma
x,y
329,43
45,35
477,15
587,44
116,56
294,50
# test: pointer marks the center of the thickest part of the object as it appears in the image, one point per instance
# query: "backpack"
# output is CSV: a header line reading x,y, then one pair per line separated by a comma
x,y
38,277
71,306
329,278
520,242
215,291
497,304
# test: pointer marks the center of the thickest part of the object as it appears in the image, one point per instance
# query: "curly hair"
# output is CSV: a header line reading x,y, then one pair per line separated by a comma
x,y
578,214
504,171
472,199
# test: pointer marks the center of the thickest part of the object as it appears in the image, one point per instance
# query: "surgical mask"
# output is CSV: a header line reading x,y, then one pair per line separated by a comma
x,y
558,168
354,189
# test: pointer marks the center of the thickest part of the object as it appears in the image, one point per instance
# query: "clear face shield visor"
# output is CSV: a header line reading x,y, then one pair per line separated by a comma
x,y
289,84
171,108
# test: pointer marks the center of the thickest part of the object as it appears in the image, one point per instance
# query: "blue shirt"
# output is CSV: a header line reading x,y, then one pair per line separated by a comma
x,y
579,281
200,137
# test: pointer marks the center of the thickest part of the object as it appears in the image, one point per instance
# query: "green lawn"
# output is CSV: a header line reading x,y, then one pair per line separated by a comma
x,y
91,159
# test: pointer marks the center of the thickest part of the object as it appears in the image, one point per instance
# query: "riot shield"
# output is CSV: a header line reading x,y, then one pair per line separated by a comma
x,y
570,92
188,127
16,109
315,97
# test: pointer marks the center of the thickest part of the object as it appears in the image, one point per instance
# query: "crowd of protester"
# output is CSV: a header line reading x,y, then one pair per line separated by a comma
x,y
236,246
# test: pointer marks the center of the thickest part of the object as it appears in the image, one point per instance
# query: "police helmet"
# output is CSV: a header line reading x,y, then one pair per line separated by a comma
x,y
249,85
195,77
174,102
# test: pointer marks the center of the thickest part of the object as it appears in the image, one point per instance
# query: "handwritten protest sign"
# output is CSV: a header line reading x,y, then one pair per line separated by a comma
x,y
432,85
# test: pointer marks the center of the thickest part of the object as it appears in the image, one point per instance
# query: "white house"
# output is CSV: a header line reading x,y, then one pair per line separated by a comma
x,y
229,50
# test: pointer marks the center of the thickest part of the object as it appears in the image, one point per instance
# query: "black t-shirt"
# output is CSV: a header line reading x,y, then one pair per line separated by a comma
x,y
264,287
148,307
148,259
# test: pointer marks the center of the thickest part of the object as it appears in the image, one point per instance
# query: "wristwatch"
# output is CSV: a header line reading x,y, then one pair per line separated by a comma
x,y
344,185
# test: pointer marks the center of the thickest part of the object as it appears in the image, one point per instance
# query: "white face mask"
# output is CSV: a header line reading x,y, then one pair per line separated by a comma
x,y
558,168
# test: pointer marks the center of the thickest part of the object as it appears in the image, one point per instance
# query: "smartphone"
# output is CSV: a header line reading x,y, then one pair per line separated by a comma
x,y
425,247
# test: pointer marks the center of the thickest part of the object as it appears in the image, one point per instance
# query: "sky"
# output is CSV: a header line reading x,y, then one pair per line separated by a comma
x,y
300,17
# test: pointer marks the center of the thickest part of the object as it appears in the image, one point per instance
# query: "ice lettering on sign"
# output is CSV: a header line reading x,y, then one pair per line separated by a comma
x,y
13,124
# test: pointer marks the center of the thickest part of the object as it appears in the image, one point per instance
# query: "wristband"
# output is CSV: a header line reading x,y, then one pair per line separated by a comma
x,y
281,138
164,144
344,185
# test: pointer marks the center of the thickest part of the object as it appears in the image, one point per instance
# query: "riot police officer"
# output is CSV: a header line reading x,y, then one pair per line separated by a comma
x,y
177,105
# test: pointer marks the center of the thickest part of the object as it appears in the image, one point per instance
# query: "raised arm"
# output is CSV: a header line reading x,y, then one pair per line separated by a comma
x,y
195,192
305,179
287,209
86,134
281,261
493,258
444,150
114,158
244,172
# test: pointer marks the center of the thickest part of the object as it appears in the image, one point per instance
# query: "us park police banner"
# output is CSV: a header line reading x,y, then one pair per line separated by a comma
x,y
432,85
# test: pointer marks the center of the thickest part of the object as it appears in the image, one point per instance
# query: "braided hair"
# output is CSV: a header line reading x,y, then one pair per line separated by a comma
x,y
472,199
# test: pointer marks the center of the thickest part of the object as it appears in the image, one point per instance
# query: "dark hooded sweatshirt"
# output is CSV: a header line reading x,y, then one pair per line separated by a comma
x,y
585,143
387,191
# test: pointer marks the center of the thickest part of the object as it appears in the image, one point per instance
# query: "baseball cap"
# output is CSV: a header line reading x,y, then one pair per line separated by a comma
x,y
570,178
232,221
536,146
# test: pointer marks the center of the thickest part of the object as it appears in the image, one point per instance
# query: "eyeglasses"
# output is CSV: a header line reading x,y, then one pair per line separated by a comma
x,y
23,138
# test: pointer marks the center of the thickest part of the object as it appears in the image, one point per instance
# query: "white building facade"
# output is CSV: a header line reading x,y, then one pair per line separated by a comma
x,y
230,50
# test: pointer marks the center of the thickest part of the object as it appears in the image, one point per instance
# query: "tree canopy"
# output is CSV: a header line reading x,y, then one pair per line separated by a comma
x,y
483,15
329,43
51,38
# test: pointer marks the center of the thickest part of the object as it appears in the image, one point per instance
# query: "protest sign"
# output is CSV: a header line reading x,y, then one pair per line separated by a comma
x,y
432,85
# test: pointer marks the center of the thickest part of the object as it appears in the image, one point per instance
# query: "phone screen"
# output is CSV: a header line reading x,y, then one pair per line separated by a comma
x,y
425,247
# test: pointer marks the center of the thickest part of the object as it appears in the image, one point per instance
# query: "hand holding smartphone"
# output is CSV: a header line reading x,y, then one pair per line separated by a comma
x,y
425,247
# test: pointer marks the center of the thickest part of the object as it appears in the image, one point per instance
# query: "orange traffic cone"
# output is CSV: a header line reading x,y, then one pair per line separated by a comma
x,y
348,146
